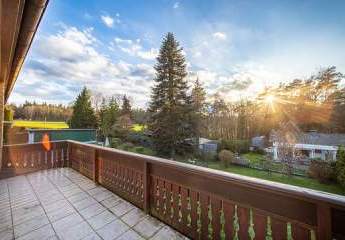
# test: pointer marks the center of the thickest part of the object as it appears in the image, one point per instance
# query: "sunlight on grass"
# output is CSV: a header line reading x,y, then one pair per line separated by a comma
x,y
281,178
138,127
40,124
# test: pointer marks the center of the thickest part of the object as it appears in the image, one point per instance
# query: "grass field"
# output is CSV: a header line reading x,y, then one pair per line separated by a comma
x,y
254,158
138,127
277,177
39,124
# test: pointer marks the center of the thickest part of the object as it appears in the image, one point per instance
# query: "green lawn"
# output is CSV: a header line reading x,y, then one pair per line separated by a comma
x,y
277,177
136,149
254,158
257,160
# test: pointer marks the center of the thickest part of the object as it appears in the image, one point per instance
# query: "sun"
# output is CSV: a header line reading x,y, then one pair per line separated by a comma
x,y
270,99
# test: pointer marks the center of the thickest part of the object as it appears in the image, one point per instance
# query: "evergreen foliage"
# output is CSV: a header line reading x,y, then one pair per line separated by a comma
x,y
108,115
126,108
340,166
199,109
170,107
83,114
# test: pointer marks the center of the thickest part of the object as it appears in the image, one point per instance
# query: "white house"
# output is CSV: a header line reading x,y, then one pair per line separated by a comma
x,y
313,145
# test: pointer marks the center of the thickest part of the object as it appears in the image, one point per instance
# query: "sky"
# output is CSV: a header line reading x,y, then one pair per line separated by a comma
x,y
235,48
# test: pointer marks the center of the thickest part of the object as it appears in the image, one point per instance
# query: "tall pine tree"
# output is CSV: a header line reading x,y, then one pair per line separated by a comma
x,y
108,115
199,108
170,106
83,114
126,108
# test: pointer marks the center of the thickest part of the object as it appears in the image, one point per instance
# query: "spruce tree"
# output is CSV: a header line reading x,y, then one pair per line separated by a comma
x,y
170,107
108,116
199,108
83,114
126,108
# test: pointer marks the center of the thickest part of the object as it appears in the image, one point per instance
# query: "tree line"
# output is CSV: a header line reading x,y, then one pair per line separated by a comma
x,y
180,113
41,111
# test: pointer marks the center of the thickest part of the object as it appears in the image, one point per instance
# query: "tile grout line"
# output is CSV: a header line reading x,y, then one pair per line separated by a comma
x,y
119,217
72,203
9,201
42,208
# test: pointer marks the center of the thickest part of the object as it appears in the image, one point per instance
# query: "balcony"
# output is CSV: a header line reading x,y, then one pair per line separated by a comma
x,y
73,184
63,204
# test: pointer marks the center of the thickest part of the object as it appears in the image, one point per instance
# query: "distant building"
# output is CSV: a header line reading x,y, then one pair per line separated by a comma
x,y
258,142
312,145
208,145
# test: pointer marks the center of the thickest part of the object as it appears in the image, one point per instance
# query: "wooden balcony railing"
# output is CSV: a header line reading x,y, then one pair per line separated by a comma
x,y
25,158
202,203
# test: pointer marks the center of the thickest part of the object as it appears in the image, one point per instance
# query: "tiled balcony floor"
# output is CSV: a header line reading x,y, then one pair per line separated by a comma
x,y
63,204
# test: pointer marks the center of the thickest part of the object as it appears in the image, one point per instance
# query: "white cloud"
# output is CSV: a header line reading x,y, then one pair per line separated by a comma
x,y
176,5
64,62
220,35
134,48
108,21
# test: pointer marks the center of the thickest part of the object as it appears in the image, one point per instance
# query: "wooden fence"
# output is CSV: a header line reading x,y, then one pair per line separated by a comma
x,y
25,158
200,203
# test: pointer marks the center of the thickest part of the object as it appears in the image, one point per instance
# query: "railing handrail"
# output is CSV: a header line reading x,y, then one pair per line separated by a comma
x,y
29,144
306,194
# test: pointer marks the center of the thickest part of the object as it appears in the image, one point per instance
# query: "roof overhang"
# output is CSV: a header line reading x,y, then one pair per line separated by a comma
x,y
19,22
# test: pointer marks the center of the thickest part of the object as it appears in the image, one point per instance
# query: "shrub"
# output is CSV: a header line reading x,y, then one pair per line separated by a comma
x,y
321,170
340,166
125,146
259,151
114,142
226,157
139,149
238,146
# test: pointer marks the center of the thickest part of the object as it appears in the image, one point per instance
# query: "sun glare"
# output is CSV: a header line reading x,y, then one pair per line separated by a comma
x,y
270,99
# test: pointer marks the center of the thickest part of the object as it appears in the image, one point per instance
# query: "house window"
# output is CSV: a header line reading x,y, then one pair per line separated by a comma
x,y
318,151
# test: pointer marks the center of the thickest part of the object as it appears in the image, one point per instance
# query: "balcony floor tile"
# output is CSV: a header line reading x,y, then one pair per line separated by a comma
x,y
63,204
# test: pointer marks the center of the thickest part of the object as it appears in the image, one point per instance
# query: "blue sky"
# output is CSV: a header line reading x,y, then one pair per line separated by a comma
x,y
236,48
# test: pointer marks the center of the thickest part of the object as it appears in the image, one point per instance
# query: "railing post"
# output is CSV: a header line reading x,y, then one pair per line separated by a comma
x,y
146,187
324,222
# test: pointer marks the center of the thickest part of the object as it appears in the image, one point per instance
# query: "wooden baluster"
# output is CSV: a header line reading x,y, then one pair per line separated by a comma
x,y
184,210
260,224
243,220
299,232
194,214
204,204
52,165
216,205
169,206
138,185
176,205
117,176
154,195
126,180
162,200
279,228
132,183
228,209
120,177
